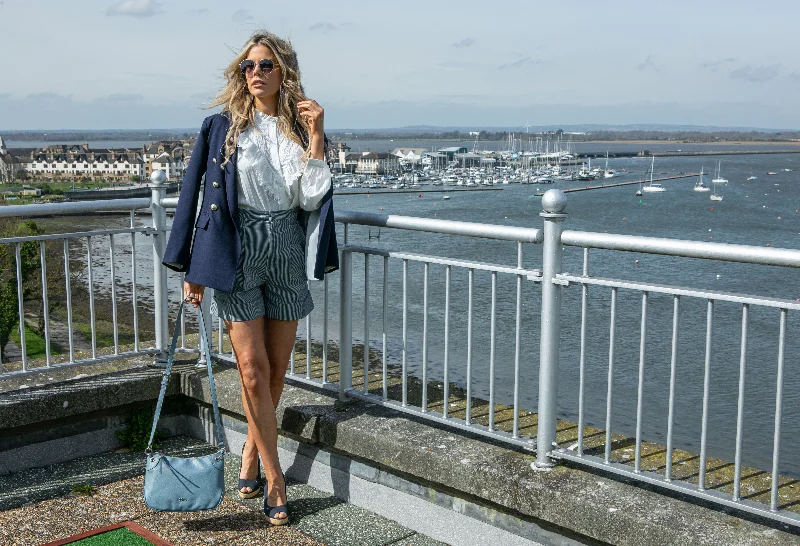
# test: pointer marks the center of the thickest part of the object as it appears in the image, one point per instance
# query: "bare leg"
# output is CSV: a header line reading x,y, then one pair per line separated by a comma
x,y
257,343
279,363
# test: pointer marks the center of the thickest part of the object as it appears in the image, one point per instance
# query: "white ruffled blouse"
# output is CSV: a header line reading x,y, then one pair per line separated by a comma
x,y
272,173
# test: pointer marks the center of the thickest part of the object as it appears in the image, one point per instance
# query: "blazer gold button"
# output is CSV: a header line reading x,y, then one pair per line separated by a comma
x,y
215,184
213,207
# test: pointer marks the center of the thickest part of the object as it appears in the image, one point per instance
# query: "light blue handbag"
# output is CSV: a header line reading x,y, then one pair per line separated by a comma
x,y
178,484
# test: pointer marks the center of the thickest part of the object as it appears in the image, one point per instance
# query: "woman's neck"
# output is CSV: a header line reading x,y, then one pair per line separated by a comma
x,y
268,105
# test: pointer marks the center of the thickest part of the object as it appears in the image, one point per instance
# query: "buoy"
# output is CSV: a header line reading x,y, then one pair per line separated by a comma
x,y
709,230
719,276
712,208
381,208
779,218
637,261
624,218
710,236
420,195
767,244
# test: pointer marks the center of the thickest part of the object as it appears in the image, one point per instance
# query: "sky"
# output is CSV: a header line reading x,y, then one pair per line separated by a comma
x,y
146,64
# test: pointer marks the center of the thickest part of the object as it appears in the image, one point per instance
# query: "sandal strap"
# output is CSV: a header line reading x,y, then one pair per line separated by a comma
x,y
252,484
272,510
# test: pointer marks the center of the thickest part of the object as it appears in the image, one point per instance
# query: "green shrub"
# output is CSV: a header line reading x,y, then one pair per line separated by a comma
x,y
137,434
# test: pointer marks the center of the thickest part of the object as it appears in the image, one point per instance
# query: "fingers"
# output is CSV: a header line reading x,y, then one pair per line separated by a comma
x,y
193,293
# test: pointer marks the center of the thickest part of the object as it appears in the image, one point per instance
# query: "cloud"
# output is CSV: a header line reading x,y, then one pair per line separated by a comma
x,y
122,97
327,28
649,63
466,42
795,75
520,63
713,65
757,74
242,16
135,8
47,96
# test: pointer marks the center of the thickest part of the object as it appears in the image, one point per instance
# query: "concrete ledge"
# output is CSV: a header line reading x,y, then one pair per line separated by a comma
x,y
449,469
571,502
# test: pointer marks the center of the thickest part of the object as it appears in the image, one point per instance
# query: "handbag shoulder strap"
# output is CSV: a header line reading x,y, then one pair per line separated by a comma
x,y
168,370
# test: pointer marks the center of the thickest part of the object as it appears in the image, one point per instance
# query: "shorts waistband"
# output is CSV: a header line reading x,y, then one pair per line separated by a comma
x,y
249,214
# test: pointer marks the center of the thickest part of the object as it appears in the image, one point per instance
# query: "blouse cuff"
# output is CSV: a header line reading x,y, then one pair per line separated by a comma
x,y
314,183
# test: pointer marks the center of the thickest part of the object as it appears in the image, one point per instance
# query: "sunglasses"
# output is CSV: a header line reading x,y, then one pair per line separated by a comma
x,y
265,65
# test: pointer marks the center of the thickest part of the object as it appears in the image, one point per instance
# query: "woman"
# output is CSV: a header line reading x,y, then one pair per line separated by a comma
x,y
265,184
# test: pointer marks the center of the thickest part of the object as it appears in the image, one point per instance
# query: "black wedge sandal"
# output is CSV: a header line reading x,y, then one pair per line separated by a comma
x,y
271,511
254,485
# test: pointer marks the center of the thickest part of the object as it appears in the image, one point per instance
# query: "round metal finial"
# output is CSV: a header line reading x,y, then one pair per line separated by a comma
x,y
158,177
554,201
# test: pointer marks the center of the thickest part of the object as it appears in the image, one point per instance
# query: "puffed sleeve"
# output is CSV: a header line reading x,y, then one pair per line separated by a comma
x,y
314,183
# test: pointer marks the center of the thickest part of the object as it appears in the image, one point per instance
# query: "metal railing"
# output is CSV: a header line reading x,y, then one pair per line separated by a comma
x,y
399,387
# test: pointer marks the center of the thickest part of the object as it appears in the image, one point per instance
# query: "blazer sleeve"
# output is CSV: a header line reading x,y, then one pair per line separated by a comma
x,y
179,245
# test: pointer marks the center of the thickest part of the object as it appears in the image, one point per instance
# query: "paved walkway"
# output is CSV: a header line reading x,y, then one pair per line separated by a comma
x,y
39,505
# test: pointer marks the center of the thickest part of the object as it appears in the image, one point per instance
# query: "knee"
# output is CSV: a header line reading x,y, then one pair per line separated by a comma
x,y
252,373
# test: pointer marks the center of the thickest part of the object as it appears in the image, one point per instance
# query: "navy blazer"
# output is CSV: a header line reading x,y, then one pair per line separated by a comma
x,y
207,246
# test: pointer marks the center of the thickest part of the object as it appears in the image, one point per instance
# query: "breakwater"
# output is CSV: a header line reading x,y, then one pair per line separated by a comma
x,y
687,153
627,183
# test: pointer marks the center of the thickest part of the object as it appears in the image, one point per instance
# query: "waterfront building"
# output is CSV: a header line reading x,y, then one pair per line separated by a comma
x,y
451,151
409,155
79,161
374,162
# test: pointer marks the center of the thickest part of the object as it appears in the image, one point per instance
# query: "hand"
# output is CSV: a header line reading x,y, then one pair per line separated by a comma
x,y
193,293
313,114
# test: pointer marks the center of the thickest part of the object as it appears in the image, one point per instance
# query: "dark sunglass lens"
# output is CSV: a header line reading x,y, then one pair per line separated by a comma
x,y
247,66
266,65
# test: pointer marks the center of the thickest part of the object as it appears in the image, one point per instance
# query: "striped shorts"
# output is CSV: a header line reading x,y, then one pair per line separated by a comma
x,y
271,274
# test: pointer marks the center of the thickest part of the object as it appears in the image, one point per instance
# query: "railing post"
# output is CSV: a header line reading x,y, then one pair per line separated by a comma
x,y
160,299
553,202
345,320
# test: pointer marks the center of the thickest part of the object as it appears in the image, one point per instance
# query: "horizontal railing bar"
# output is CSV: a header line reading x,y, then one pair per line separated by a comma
x,y
532,274
686,488
682,248
448,227
169,202
75,235
50,209
83,362
676,291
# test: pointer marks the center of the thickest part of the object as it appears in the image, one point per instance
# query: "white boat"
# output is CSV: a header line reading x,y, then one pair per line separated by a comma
x,y
719,179
752,178
699,186
607,173
653,187
445,197
714,196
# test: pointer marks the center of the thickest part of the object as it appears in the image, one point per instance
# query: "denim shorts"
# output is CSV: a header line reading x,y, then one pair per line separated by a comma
x,y
271,273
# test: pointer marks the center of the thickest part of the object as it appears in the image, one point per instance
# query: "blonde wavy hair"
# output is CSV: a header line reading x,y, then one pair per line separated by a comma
x,y
239,104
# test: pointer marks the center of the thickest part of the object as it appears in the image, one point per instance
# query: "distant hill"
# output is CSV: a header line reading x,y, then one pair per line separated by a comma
x,y
566,128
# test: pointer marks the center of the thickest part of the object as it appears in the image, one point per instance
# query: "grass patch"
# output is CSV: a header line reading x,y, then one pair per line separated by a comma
x,y
34,343
85,489
117,537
